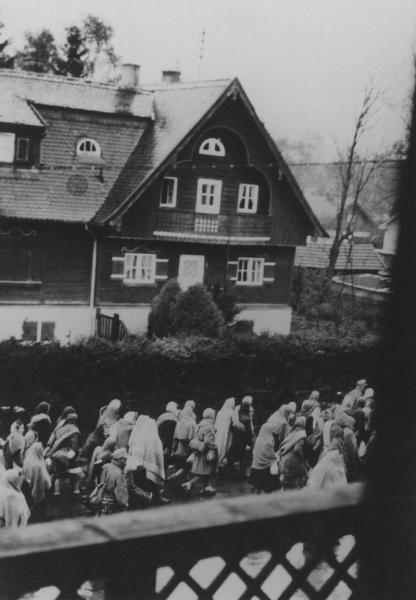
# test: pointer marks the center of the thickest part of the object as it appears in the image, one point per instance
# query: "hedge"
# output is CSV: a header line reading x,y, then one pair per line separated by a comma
x,y
147,373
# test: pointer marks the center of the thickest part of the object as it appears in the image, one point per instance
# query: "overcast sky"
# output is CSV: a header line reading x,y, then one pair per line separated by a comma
x,y
304,63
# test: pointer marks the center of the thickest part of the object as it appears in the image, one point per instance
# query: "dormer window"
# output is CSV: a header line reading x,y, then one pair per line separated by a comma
x,y
247,198
6,147
168,192
212,147
88,148
22,149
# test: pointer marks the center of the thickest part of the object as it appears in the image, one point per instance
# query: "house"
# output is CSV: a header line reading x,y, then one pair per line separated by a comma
x,y
353,258
107,191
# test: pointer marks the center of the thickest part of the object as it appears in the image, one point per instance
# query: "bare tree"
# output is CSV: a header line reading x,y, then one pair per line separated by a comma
x,y
355,172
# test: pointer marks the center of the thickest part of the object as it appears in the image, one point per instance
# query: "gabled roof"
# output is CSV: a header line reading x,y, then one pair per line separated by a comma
x,y
181,110
178,109
21,87
352,257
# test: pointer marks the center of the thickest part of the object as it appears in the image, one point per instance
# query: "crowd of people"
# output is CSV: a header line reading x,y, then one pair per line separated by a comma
x,y
132,461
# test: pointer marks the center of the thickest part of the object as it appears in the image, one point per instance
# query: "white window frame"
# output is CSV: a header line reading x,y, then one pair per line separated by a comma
x,y
213,209
212,147
133,268
251,271
247,192
171,204
95,153
7,147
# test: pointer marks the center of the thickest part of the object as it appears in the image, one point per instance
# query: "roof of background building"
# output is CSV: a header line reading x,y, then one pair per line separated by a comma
x,y
20,87
352,257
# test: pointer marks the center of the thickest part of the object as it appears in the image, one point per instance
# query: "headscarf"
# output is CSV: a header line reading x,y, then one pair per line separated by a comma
x,y
42,408
293,437
190,404
14,511
263,452
62,433
329,471
110,414
209,414
146,449
16,439
36,473
222,426
119,457
171,414
186,426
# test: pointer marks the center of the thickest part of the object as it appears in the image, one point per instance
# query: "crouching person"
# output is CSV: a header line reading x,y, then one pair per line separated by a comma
x,y
115,497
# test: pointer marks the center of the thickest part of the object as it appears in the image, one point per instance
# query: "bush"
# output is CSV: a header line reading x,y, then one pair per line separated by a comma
x,y
226,300
197,314
162,315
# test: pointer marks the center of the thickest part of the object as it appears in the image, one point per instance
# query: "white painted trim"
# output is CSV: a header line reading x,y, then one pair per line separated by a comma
x,y
219,238
174,195
268,279
255,189
232,262
217,191
161,277
93,282
162,260
269,264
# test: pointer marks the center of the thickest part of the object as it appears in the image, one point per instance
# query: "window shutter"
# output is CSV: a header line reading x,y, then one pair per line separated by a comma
x,y
47,331
268,273
232,270
162,269
117,267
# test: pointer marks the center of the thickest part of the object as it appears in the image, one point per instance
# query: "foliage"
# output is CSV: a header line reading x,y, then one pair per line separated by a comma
x,y
162,314
39,54
98,38
197,314
6,61
225,298
75,54
145,372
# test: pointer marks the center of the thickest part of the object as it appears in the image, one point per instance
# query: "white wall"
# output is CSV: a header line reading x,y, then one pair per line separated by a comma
x,y
273,319
71,322
390,237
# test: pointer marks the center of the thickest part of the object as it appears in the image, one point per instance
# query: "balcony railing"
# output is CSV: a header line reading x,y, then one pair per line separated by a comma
x,y
281,545
179,221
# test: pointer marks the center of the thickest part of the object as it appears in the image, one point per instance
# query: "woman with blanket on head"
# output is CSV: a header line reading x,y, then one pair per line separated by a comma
x,y
284,413
184,432
350,451
63,450
330,469
95,440
14,511
270,437
41,422
146,451
109,415
223,433
292,457
121,430
242,440
114,493
205,454
166,425
14,448
37,479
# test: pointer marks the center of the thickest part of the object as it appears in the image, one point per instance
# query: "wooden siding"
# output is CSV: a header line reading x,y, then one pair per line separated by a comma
x,y
62,255
216,270
288,223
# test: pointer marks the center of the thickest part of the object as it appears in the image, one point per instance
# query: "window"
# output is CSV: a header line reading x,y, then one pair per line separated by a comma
x,y
22,150
208,196
6,147
88,148
250,271
35,331
18,258
139,268
213,147
191,270
247,198
169,189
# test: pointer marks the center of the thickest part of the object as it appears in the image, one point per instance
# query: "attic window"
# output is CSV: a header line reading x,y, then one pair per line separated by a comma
x,y
213,147
88,148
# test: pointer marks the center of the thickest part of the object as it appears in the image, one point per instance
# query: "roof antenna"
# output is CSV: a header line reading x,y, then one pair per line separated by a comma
x,y
201,54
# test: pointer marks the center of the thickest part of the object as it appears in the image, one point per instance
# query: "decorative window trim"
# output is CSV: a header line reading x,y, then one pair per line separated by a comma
x,y
247,192
216,191
251,271
212,147
134,265
19,144
171,204
158,262
8,147
94,150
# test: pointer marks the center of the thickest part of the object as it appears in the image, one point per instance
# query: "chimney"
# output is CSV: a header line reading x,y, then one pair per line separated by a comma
x,y
129,76
171,76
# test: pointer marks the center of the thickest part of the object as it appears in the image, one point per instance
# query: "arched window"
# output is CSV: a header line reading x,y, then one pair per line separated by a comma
x,y
88,148
213,147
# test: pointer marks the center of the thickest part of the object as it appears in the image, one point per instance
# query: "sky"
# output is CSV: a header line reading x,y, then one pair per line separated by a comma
x,y
305,64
